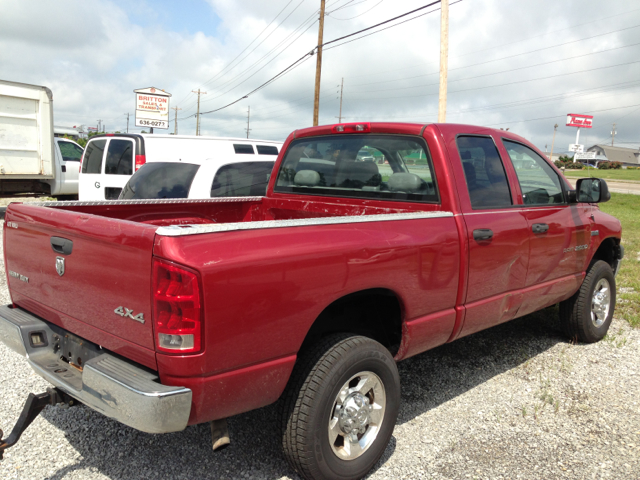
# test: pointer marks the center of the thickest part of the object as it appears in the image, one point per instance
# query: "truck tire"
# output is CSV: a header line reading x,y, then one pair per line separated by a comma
x,y
340,408
586,316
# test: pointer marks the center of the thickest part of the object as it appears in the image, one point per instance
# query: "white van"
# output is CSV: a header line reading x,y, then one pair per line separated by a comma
x,y
110,160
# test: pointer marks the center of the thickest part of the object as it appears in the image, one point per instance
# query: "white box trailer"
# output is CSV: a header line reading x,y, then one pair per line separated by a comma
x,y
31,159
26,131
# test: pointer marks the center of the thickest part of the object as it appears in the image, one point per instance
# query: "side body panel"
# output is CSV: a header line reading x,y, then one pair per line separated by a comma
x,y
263,290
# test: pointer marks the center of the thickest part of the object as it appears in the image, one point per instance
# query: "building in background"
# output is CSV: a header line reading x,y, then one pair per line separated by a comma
x,y
628,157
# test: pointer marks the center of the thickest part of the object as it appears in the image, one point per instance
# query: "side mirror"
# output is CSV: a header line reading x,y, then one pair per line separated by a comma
x,y
592,190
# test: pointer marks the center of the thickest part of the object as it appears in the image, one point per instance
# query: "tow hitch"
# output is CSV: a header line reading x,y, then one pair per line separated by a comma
x,y
32,408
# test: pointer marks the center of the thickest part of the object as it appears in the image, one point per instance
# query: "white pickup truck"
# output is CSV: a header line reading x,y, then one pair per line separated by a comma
x,y
32,160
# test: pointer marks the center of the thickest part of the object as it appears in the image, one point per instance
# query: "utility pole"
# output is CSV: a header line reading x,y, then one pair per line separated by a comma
x,y
175,120
613,133
555,127
99,126
248,120
127,122
316,96
444,60
198,113
341,89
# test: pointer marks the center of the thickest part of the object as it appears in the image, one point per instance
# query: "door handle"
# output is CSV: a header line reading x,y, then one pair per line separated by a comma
x,y
482,234
64,168
61,245
540,228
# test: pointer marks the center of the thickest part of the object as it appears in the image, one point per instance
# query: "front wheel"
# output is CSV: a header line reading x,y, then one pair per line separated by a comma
x,y
586,316
340,408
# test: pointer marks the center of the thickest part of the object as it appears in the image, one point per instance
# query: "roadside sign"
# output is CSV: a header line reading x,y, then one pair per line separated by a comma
x,y
580,121
152,108
585,156
573,147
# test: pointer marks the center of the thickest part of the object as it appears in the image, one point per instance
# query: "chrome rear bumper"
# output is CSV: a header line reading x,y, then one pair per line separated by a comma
x,y
111,386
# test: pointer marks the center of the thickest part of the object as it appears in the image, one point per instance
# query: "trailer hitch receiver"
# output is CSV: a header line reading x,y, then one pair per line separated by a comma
x,y
32,408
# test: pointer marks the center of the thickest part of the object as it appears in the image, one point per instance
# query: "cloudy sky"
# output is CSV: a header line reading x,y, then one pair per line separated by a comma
x,y
513,64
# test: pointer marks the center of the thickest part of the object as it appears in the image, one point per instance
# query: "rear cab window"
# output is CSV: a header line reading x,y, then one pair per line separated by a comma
x,y
160,180
389,167
484,172
242,179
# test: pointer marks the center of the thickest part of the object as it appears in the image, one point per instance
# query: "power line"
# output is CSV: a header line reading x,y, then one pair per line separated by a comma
x,y
562,115
546,77
391,26
502,71
306,57
504,58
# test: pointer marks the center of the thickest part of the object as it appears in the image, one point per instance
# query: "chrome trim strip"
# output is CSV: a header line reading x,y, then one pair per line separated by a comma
x,y
109,385
181,230
146,202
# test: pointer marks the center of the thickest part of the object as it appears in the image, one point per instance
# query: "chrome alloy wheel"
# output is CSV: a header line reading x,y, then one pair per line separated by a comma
x,y
356,416
601,302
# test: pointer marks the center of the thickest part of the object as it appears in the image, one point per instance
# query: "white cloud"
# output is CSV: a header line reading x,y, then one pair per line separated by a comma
x,y
92,54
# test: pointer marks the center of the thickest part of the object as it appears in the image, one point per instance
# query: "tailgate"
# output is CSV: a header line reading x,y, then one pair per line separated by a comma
x,y
100,274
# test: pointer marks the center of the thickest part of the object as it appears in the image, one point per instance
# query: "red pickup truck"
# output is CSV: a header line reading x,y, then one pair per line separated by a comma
x,y
374,242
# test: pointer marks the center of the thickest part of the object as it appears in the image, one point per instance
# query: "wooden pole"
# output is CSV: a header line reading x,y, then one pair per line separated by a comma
x,y
341,88
175,120
555,127
316,96
444,58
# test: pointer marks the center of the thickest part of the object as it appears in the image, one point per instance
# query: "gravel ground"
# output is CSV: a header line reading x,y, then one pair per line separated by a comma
x,y
513,402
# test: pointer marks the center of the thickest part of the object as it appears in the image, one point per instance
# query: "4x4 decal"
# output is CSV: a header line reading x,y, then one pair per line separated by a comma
x,y
125,312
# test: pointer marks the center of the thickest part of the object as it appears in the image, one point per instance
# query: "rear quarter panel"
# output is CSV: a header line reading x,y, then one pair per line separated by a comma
x,y
263,289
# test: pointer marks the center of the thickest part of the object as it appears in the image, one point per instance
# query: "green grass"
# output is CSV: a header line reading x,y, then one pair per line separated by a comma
x,y
626,209
606,174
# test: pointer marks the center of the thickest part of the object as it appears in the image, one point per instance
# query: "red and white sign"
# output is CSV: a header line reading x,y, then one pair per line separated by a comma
x,y
152,108
580,121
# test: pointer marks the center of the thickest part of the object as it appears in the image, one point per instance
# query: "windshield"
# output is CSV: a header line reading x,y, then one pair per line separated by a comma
x,y
391,167
160,180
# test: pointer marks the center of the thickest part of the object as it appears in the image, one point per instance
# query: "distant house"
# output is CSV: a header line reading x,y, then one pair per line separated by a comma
x,y
626,156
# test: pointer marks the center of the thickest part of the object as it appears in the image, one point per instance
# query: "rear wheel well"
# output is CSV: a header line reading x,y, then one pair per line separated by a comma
x,y
608,251
374,313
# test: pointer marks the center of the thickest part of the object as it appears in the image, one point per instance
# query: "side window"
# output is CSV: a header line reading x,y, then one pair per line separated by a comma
x,y
93,157
539,183
267,150
242,179
243,149
119,158
484,172
70,151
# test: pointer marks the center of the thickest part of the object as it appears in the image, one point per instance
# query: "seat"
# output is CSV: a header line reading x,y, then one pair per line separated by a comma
x,y
307,178
353,174
404,182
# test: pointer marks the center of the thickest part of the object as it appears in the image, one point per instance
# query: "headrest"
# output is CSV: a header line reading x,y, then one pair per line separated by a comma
x,y
404,182
307,178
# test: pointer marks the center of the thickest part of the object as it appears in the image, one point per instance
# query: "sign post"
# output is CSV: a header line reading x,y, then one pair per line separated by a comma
x,y
580,121
152,108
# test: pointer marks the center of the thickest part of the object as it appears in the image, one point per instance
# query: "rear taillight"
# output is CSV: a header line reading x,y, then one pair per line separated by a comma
x,y
140,160
177,312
